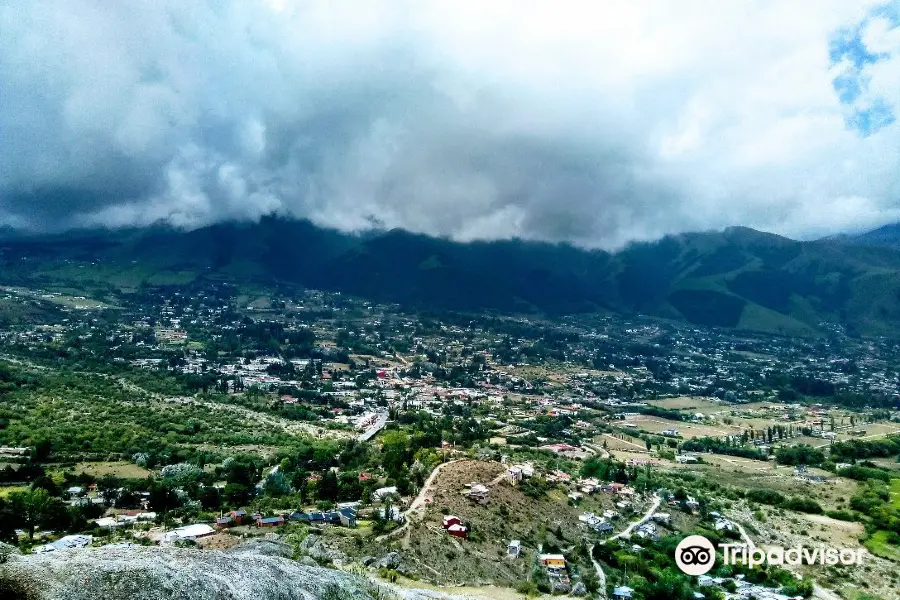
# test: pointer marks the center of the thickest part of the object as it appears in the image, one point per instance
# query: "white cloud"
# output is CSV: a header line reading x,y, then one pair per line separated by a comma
x,y
593,122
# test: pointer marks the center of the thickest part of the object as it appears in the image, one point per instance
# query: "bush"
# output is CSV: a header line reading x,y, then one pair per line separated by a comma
x,y
803,505
527,588
841,515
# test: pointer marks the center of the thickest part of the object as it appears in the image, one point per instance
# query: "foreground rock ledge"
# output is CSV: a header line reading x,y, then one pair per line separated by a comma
x,y
253,572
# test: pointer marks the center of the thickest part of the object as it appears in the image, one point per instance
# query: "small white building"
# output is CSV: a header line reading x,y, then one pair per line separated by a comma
x,y
514,549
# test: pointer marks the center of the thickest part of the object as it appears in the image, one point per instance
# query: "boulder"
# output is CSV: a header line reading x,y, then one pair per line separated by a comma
x,y
254,572
558,586
391,560
7,551
308,561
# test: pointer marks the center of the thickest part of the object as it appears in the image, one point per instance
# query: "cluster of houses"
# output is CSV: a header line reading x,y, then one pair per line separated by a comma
x,y
344,516
124,519
598,524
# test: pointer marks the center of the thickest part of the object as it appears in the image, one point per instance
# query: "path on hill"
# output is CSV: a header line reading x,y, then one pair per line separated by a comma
x,y
601,576
744,535
627,531
419,501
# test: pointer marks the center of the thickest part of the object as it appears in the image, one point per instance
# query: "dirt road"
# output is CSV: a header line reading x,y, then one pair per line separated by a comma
x,y
419,501
627,531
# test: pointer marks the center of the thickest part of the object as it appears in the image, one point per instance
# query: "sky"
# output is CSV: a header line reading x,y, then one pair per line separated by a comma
x,y
594,123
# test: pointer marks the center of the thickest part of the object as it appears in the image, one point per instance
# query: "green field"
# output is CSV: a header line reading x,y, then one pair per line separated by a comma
x,y
879,545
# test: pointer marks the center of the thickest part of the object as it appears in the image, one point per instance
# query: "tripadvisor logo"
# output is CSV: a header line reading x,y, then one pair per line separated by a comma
x,y
696,555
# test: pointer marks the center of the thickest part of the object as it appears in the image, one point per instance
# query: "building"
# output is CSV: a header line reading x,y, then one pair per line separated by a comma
x,y
238,516
478,492
189,532
622,592
382,493
460,531
685,459
450,520
344,516
65,543
553,561
603,527
514,474
270,521
514,549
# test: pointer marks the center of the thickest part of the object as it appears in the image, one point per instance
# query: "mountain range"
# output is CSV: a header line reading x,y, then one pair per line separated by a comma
x,y
739,277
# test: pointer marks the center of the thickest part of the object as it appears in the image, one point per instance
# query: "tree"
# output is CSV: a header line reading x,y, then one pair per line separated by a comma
x,y
328,486
37,508
162,498
394,452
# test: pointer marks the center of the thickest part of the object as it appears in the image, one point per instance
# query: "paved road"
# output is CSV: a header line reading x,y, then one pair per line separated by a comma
x,y
377,426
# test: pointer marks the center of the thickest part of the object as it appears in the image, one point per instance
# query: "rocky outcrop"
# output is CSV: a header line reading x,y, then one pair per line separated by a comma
x,y
391,560
314,547
579,589
253,571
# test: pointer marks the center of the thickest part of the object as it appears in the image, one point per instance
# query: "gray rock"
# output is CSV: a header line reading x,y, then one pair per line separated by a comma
x,y
579,589
558,586
146,573
314,546
391,560
308,561
367,561
264,547
7,551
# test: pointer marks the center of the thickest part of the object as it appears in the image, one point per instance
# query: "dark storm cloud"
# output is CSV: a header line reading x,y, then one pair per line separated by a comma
x,y
553,122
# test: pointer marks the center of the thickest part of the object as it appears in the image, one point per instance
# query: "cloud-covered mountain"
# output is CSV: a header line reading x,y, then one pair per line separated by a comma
x,y
738,277
591,123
